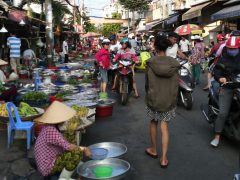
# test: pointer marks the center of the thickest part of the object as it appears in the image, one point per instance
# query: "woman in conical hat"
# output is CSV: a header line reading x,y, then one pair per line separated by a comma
x,y
50,144
11,93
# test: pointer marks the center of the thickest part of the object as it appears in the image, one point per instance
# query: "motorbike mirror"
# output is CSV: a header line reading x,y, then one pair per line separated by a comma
x,y
220,66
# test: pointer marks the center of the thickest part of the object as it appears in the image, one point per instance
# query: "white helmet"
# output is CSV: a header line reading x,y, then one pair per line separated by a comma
x,y
106,41
151,37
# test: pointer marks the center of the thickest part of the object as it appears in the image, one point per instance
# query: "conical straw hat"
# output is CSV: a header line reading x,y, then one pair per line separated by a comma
x,y
2,62
57,113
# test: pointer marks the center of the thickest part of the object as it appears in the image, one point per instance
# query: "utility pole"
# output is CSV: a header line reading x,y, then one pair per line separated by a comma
x,y
49,32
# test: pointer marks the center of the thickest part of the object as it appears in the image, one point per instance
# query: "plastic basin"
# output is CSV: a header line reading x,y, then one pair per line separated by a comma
x,y
98,153
103,171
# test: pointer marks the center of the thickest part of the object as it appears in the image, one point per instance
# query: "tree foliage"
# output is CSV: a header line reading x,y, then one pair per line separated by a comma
x,y
59,9
135,5
108,29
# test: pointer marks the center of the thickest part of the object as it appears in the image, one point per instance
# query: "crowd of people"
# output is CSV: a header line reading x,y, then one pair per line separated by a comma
x,y
162,75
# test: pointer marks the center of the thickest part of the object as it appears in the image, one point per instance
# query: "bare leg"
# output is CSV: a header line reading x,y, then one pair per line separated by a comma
x,y
165,141
104,87
115,82
209,77
153,136
135,89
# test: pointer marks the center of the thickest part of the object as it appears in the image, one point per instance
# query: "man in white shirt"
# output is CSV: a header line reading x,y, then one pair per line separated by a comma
x,y
65,50
115,45
184,45
29,56
173,51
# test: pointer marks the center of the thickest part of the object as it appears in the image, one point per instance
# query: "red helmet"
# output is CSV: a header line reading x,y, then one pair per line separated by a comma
x,y
220,37
233,43
227,36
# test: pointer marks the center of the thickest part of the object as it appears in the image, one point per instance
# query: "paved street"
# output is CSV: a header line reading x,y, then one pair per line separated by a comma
x,y
190,156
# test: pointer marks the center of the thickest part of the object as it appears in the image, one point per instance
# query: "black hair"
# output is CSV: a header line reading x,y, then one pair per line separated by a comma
x,y
128,44
162,43
173,34
197,40
13,32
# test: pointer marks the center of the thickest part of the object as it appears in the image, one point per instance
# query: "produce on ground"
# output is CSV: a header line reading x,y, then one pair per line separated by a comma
x,y
26,110
63,94
73,81
34,96
81,111
3,110
86,80
2,88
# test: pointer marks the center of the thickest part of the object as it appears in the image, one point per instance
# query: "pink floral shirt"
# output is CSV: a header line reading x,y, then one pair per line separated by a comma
x,y
49,145
128,54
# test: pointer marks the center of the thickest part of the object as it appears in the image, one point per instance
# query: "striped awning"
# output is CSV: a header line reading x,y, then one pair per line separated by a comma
x,y
228,12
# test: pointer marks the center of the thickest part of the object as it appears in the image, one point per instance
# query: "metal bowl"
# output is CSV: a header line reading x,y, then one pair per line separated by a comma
x,y
114,149
120,168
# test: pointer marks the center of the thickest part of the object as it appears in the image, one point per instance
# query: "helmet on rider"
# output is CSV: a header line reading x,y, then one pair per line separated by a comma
x,y
112,37
235,33
220,37
233,45
227,36
125,43
105,42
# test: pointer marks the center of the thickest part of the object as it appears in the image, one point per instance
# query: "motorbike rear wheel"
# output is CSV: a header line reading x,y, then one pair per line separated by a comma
x,y
124,93
188,100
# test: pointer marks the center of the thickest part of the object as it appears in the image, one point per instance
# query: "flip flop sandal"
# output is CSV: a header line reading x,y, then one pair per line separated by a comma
x,y
151,155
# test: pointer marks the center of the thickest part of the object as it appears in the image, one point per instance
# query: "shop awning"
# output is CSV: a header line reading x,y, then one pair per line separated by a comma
x,y
195,11
228,12
172,19
153,24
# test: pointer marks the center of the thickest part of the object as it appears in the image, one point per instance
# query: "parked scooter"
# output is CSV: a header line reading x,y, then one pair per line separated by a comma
x,y
185,86
210,111
125,80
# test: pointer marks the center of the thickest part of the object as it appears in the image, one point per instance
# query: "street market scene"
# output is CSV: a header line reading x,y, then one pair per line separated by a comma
x,y
119,89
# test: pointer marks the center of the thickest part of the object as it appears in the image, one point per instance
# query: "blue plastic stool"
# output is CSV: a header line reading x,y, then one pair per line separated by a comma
x,y
16,124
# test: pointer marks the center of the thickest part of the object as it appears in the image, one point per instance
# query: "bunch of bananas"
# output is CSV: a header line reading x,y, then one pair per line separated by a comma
x,y
81,111
3,110
73,123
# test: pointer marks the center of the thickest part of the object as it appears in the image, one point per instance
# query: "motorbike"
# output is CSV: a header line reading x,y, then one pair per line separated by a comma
x,y
211,110
113,69
125,80
186,86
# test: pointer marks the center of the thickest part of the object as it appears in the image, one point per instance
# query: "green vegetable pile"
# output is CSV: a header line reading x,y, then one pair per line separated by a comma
x,y
25,110
63,94
73,81
86,80
34,96
2,88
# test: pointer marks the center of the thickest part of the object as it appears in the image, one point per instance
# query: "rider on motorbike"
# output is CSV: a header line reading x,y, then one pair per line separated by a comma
x,y
231,61
220,39
126,52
